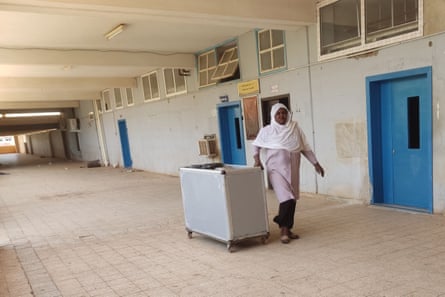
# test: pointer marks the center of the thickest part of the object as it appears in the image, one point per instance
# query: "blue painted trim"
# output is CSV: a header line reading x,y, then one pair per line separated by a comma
x,y
400,74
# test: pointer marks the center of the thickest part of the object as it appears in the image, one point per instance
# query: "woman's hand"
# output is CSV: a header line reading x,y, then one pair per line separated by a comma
x,y
257,162
319,169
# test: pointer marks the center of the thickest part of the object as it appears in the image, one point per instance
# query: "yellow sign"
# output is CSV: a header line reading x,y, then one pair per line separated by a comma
x,y
248,87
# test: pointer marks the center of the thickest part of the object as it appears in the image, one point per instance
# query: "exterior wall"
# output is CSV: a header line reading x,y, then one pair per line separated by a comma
x,y
41,144
433,16
338,89
48,144
57,148
20,143
328,99
167,130
88,136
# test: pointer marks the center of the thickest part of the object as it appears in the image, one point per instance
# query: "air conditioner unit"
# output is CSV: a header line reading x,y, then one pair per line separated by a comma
x,y
72,125
208,146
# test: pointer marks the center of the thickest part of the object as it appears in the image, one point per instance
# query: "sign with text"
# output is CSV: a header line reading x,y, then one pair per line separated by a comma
x,y
248,88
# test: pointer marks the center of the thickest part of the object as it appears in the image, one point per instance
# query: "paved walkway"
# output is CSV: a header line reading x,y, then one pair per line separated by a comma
x,y
67,230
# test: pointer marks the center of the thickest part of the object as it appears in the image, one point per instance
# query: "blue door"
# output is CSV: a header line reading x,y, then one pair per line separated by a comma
x,y
125,145
400,114
231,133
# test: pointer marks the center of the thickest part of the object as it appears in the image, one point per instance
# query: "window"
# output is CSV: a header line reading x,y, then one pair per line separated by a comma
x,y
348,26
207,66
227,64
129,96
107,101
271,50
339,25
150,86
174,82
413,123
226,69
99,105
387,18
7,141
118,98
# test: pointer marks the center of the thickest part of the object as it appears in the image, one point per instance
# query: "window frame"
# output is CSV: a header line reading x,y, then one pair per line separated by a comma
x,y
126,96
150,87
364,44
174,75
224,63
99,105
110,108
207,70
218,52
271,50
119,92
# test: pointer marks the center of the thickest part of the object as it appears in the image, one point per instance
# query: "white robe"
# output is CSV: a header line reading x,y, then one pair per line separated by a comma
x,y
283,146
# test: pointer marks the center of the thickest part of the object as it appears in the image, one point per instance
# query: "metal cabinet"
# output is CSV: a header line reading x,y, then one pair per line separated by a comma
x,y
227,203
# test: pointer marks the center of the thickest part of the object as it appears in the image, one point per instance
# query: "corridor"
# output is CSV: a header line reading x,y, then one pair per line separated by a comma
x,y
68,230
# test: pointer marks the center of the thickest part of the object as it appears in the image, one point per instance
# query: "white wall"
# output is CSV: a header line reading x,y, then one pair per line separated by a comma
x,y
88,139
328,99
57,147
41,145
339,98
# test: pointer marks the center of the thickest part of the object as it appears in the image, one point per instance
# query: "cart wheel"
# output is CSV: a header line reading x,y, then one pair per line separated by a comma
x,y
189,234
264,239
230,247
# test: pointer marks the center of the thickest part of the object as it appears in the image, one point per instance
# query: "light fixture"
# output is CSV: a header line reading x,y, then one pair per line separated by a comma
x,y
67,67
32,114
115,31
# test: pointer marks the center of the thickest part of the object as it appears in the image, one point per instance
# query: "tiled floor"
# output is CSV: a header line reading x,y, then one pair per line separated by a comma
x,y
67,230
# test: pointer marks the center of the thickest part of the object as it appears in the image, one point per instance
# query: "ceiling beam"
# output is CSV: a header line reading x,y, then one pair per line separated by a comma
x,y
104,58
5,122
284,12
68,95
38,105
23,129
61,83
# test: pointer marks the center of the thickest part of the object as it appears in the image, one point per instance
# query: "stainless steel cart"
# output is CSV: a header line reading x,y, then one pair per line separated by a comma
x,y
224,202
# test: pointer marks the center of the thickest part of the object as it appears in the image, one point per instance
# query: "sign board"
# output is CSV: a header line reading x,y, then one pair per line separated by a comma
x,y
248,87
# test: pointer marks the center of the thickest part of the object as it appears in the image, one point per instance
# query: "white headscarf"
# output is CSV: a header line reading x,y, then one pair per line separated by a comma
x,y
276,136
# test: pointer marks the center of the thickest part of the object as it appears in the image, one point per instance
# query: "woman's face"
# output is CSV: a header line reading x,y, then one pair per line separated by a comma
x,y
281,116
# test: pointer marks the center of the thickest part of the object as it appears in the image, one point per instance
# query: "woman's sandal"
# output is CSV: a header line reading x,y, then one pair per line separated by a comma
x,y
284,239
293,236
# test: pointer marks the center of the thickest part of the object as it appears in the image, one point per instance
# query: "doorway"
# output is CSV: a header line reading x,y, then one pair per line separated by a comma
x,y
125,145
231,130
400,139
266,106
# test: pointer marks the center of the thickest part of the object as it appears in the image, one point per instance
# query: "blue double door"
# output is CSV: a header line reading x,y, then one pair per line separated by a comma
x,y
400,122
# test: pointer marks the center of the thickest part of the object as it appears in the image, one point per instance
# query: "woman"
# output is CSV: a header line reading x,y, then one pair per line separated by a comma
x,y
284,142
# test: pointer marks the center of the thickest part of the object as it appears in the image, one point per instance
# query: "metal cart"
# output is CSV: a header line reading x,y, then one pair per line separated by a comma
x,y
224,202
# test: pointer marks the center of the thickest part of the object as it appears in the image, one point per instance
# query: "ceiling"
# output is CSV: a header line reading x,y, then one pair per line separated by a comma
x,y
53,53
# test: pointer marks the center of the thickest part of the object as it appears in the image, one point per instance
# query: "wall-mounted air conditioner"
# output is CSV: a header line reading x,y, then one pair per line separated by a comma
x,y
208,146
